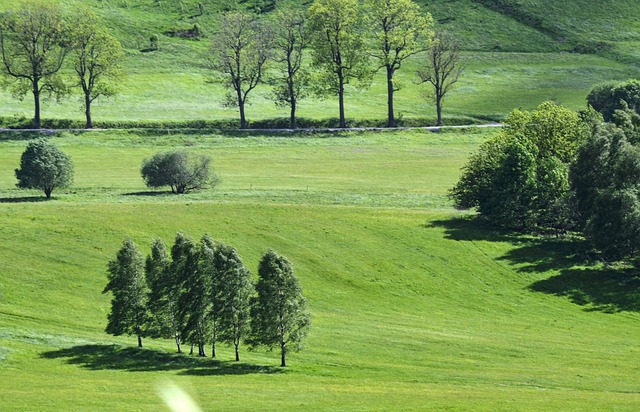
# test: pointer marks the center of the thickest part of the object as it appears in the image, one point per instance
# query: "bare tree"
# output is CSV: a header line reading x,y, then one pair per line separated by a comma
x,y
443,68
290,38
240,51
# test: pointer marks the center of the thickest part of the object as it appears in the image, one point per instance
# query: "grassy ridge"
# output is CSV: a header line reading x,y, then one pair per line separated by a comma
x,y
412,308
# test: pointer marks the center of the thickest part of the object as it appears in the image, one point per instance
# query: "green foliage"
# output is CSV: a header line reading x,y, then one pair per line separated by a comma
x,y
279,314
43,166
519,180
33,46
338,47
608,97
239,51
180,170
126,282
606,181
97,57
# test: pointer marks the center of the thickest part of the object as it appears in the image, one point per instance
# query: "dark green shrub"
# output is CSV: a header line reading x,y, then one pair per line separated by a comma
x,y
43,166
180,170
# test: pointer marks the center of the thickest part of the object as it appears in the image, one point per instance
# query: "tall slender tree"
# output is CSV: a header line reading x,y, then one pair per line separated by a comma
x,y
240,50
209,267
235,293
442,69
97,57
163,294
338,47
290,38
128,286
400,30
33,46
279,315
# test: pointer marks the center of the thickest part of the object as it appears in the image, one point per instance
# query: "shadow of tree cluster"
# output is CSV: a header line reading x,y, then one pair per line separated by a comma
x,y
133,359
580,280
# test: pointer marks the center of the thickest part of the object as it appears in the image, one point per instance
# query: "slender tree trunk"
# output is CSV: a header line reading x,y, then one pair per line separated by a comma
x,y
47,192
391,120
213,341
36,105
87,110
343,123
439,108
139,336
292,93
191,351
283,352
201,350
243,120
237,352
178,343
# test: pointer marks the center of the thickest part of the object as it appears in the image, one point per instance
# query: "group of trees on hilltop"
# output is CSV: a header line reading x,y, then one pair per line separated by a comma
x,y
554,170
37,39
201,293
349,41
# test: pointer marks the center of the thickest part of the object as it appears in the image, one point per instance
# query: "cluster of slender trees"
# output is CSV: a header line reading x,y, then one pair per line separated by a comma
x,y
199,293
349,40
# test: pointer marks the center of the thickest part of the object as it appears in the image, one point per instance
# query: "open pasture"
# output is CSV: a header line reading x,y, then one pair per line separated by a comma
x,y
414,305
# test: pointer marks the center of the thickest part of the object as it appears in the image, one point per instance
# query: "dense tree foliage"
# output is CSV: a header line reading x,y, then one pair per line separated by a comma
x,y
519,179
43,166
279,316
400,30
126,282
180,170
608,97
33,46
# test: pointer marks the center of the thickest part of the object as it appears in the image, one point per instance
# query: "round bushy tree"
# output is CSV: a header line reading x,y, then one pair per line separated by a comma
x,y
180,170
43,166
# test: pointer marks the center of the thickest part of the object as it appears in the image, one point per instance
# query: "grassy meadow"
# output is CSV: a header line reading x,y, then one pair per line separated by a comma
x,y
414,305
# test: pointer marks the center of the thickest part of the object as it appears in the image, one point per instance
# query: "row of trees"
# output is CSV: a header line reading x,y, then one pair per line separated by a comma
x,y
349,41
37,39
202,293
45,167
554,170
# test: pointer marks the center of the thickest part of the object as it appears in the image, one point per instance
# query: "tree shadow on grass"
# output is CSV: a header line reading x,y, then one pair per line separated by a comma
x,y
149,193
581,278
25,199
115,357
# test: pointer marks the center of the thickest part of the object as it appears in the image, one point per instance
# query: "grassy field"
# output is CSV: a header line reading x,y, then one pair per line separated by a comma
x,y
414,305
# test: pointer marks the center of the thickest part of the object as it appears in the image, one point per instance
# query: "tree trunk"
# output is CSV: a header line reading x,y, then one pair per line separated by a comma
x,y
178,343
292,96
87,110
139,340
201,350
237,353
213,341
343,123
391,120
36,105
243,120
47,192
283,352
439,108
191,351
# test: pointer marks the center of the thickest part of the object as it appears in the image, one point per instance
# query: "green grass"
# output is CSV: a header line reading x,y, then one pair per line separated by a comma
x,y
414,307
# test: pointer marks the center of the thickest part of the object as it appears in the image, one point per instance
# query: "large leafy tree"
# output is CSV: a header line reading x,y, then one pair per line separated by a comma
x,y
97,57
180,170
338,47
279,316
33,46
400,30
210,267
290,37
126,282
43,166
519,179
239,50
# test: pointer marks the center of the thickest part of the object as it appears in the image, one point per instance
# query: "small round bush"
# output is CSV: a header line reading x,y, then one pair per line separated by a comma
x,y
43,166
180,170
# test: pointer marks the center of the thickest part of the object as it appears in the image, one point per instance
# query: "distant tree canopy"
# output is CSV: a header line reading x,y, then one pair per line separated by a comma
x,y
43,166
519,179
